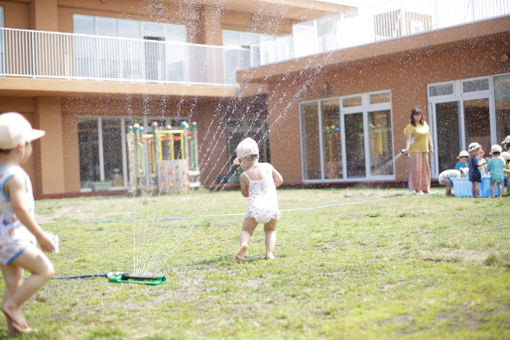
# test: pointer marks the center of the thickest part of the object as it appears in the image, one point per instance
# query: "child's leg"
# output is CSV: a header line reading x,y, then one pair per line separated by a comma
x,y
448,187
476,189
492,187
33,260
500,189
249,226
13,277
269,230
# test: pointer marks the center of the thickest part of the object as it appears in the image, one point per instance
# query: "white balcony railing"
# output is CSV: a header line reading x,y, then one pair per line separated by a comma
x,y
41,54
381,21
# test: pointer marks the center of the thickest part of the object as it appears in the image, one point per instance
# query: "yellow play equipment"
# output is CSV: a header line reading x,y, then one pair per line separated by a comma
x,y
165,160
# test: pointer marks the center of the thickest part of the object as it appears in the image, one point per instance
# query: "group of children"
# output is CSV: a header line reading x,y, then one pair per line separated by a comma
x,y
472,164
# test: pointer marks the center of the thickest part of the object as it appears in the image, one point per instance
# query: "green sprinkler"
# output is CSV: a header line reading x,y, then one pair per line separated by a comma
x,y
121,277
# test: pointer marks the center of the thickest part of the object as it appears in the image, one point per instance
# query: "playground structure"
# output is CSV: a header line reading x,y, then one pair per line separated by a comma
x,y
165,160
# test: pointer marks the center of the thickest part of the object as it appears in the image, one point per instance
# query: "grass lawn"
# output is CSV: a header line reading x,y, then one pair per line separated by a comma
x,y
362,264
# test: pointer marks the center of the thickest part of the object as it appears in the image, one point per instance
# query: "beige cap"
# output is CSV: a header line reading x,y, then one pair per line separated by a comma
x,y
506,140
496,149
15,130
505,155
246,148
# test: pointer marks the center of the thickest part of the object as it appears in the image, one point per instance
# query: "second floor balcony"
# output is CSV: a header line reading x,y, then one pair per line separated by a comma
x,y
42,54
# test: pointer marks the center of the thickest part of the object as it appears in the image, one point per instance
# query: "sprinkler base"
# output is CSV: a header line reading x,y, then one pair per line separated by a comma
x,y
121,277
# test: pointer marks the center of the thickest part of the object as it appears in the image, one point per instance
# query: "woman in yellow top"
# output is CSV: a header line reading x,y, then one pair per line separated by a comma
x,y
418,146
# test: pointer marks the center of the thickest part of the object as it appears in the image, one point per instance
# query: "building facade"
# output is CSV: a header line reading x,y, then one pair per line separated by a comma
x,y
84,71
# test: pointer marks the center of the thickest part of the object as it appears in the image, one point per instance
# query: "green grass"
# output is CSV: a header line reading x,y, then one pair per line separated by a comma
x,y
374,264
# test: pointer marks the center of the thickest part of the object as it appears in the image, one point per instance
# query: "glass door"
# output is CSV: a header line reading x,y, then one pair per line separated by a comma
x,y
477,123
448,134
355,145
310,141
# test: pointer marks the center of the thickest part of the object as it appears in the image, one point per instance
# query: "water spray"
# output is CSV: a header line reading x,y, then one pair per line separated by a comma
x,y
397,156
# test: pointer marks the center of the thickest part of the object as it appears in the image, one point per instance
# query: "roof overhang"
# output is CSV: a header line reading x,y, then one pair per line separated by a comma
x,y
428,41
13,86
298,10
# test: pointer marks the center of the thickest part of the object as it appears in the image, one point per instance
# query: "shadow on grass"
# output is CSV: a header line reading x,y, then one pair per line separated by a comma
x,y
227,260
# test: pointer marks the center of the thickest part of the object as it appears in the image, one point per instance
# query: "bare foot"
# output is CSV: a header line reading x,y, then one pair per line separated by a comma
x,y
269,256
11,331
240,253
16,318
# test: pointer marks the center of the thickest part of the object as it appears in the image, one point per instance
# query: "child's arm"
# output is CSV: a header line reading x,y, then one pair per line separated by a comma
x,y
245,185
15,188
277,177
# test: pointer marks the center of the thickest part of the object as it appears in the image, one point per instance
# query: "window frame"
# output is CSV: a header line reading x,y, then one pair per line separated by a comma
x,y
364,108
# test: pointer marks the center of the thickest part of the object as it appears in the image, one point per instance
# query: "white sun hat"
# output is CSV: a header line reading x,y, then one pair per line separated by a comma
x,y
463,153
246,148
473,146
505,155
15,130
496,149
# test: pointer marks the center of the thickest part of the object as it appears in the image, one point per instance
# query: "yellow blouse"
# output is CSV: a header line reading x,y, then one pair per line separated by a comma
x,y
421,134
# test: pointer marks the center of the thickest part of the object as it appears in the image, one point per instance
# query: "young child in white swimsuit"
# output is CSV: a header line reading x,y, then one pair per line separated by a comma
x,y
258,182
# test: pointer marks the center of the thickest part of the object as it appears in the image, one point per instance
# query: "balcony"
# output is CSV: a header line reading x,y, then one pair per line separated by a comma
x,y
382,21
41,54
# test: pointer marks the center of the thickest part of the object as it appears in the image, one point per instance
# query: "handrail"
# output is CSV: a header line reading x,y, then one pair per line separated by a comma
x,y
44,54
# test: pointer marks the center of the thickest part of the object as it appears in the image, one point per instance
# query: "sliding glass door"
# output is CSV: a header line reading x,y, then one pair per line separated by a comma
x,y
466,111
348,138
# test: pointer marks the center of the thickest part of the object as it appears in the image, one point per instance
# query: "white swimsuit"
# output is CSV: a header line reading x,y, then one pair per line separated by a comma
x,y
263,202
14,236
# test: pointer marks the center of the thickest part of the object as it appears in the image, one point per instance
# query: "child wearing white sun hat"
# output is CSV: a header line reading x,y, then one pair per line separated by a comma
x,y
496,167
475,176
19,231
258,182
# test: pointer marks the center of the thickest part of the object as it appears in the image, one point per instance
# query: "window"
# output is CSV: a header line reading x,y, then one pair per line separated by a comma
x,y
237,130
351,101
310,141
130,59
102,148
83,24
236,59
441,90
349,138
381,144
89,152
105,26
475,110
502,101
475,85
331,138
